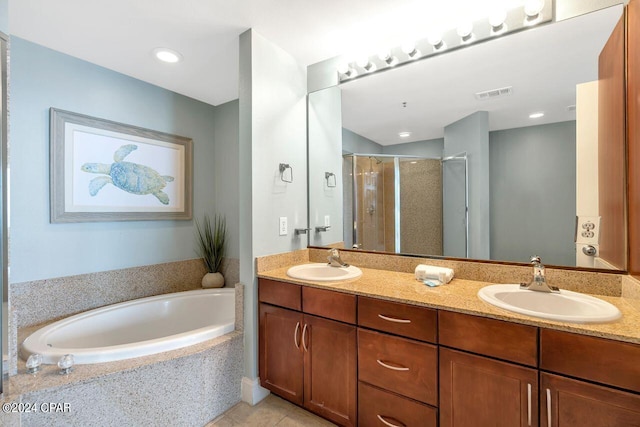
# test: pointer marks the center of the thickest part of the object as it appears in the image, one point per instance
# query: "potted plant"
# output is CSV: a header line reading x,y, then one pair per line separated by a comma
x,y
211,247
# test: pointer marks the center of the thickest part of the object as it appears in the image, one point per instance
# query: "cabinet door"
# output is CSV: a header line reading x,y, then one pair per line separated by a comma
x,y
281,358
477,391
330,369
565,402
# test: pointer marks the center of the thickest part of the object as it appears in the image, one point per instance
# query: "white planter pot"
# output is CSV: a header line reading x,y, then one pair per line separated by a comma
x,y
213,280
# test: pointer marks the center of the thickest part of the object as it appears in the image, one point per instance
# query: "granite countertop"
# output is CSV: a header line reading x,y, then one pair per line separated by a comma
x,y
461,296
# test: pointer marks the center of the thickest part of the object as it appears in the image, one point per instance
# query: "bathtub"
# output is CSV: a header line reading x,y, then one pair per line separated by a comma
x,y
136,328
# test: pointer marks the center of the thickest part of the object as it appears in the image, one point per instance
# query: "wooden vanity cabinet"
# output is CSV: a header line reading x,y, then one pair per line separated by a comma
x,y
309,359
476,389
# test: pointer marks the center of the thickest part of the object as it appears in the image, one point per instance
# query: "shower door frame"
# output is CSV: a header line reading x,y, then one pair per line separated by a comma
x,y
396,171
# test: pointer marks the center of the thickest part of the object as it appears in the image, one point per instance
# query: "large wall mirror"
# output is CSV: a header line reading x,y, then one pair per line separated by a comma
x,y
495,151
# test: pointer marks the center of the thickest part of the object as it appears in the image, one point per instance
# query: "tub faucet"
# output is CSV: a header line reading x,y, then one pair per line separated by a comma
x,y
538,282
335,260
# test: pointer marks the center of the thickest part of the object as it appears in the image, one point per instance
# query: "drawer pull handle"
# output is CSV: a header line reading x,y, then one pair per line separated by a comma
x,y
390,424
304,337
393,319
395,368
295,336
548,408
529,404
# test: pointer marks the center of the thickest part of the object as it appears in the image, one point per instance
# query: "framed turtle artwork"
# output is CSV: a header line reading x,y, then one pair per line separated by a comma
x,y
108,171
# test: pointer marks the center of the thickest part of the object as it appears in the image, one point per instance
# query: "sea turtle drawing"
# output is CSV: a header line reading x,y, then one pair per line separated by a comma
x,y
130,177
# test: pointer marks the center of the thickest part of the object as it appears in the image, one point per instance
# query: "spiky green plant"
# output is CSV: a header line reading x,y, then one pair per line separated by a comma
x,y
211,241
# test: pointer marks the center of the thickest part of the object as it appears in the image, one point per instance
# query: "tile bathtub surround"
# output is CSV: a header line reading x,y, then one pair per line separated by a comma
x,y
188,386
271,262
608,284
631,291
41,301
239,300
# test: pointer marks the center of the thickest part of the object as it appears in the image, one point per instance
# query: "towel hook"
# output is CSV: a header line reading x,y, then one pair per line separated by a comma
x,y
327,176
283,169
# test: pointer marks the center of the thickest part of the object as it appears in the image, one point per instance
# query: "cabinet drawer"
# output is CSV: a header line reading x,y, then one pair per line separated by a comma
x,y
280,293
329,304
596,359
489,337
407,367
375,404
396,318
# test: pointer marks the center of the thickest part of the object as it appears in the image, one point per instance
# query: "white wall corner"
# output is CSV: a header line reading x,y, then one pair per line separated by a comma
x,y
252,392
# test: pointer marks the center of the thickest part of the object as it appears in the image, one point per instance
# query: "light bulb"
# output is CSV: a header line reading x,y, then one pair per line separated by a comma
x,y
532,8
363,62
434,39
410,49
404,134
497,18
343,68
465,31
387,58
536,115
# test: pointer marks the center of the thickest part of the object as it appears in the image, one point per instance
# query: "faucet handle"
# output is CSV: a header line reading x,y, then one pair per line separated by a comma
x,y
536,260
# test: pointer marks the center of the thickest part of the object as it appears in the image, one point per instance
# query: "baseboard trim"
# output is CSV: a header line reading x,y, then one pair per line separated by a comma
x,y
252,392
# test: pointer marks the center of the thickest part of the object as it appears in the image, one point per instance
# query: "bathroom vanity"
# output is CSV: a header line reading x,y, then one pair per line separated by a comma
x,y
384,351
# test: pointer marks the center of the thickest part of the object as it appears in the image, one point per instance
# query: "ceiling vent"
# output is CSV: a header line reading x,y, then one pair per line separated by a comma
x,y
494,93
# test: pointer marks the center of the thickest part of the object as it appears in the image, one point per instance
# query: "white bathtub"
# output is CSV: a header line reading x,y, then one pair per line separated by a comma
x,y
136,328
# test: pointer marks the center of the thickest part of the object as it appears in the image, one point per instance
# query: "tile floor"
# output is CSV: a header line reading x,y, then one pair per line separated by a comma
x,y
272,411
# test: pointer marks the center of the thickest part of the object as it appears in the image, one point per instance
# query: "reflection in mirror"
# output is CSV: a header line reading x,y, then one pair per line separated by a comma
x,y
4,294
447,157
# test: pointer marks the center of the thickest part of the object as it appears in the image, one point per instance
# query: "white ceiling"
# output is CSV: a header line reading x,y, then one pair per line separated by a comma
x,y
120,34
542,64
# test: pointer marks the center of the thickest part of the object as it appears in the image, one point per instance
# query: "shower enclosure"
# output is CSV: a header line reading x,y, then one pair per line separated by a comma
x,y
408,204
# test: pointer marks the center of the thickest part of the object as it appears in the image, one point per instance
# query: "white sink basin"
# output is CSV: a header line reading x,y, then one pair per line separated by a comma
x,y
320,272
565,306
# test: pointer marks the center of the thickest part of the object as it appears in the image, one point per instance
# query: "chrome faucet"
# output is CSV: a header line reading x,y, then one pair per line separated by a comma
x,y
538,282
335,260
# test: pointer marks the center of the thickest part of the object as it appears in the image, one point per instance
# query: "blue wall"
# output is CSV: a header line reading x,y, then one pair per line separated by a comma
x,y
42,78
533,193
432,148
355,143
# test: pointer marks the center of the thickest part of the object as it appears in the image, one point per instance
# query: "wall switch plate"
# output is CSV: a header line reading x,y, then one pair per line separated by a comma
x,y
327,221
283,226
588,229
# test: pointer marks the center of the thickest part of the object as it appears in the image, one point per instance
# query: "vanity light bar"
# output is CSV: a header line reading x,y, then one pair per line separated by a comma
x,y
499,22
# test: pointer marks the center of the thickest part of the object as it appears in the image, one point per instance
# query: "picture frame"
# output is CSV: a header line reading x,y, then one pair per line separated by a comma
x,y
101,170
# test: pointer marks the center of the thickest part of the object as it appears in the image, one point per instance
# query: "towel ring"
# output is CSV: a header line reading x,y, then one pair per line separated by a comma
x,y
327,176
283,169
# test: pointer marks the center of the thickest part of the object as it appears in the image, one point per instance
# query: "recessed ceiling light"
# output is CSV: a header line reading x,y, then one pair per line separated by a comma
x,y
167,55
536,115
404,134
